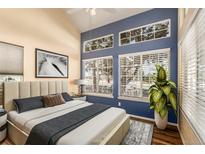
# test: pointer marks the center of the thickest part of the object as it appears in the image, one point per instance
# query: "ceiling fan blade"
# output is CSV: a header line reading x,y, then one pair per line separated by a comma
x,y
73,10
109,10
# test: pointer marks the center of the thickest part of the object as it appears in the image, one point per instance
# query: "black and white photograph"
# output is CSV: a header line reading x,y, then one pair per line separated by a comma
x,y
51,65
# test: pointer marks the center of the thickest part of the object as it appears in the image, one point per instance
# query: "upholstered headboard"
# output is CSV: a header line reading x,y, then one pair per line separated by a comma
x,y
15,90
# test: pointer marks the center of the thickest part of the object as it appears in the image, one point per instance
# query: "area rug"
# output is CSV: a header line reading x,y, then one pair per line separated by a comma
x,y
139,133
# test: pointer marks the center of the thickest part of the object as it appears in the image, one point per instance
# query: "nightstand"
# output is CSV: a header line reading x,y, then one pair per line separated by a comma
x,y
82,98
3,124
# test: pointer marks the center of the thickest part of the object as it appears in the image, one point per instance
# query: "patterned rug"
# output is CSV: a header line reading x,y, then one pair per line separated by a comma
x,y
140,133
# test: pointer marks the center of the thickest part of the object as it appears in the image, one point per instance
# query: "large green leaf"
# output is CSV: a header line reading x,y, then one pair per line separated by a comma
x,y
151,106
156,83
160,105
157,67
150,97
161,75
153,86
166,89
163,112
171,83
153,89
156,95
173,100
161,83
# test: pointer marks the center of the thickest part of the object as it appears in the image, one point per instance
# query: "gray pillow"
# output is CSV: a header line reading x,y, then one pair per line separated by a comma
x,y
26,104
66,97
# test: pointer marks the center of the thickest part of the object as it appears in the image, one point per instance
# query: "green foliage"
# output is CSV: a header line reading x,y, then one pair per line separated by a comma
x,y
173,99
161,93
166,89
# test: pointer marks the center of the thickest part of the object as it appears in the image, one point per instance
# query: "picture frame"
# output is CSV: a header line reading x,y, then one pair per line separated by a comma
x,y
50,64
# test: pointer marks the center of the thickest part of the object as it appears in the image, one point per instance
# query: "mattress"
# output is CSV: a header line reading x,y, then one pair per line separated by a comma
x,y
91,132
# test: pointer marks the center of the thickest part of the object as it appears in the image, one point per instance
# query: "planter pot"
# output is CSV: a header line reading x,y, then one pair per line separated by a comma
x,y
161,123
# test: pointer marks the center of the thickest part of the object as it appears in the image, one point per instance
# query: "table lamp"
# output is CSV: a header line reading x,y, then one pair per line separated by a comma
x,y
79,82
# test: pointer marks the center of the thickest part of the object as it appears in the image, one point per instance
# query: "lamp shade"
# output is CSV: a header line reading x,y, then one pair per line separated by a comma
x,y
79,82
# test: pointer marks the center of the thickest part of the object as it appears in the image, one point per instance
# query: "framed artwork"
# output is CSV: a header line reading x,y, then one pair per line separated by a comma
x,y
50,64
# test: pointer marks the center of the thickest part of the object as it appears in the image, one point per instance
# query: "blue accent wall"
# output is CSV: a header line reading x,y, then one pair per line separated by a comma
x,y
154,15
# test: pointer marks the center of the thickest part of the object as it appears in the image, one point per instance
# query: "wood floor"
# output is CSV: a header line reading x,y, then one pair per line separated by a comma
x,y
169,136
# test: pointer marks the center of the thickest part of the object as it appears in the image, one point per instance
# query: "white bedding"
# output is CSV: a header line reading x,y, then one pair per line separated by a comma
x,y
91,132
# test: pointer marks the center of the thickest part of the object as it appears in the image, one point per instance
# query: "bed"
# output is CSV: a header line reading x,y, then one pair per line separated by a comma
x,y
111,131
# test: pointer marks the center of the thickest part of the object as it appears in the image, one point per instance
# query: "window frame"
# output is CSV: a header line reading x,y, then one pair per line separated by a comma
x,y
97,38
141,53
111,95
154,23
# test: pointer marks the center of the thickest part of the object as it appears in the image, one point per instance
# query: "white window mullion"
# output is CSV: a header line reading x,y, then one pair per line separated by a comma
x,y
141,77
97,77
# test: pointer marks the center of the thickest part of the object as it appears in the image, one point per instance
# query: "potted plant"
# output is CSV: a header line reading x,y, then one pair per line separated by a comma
x,y
162,97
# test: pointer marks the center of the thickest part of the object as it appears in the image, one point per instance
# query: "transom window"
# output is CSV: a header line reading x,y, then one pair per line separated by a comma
x,y
100,43
137,72
98,75
152,31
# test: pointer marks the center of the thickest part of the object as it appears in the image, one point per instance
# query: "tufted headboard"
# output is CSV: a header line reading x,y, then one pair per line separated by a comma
x,y
15,90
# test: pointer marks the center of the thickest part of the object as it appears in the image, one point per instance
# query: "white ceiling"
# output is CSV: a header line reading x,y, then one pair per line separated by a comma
x,y
85,22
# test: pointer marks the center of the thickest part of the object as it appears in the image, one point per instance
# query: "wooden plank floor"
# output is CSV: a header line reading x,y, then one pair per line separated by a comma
x,y
169,136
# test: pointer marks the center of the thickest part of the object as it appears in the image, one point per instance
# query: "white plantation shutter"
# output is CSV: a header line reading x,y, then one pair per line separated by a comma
x,y
98,75
137,71
193,74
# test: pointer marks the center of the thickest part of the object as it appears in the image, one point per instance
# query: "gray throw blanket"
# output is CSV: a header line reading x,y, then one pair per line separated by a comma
x,y
48,132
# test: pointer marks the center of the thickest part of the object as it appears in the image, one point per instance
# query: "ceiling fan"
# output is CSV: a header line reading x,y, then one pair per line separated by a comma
x,y
91,11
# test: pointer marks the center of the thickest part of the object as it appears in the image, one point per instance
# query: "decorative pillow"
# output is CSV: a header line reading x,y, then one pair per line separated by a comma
x,y
53,100
26,104
66,97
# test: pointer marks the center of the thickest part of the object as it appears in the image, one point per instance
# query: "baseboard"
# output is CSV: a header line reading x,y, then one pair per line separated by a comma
x,y
150,119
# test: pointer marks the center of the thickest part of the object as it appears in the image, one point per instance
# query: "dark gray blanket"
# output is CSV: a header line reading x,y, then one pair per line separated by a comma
x,y
50,131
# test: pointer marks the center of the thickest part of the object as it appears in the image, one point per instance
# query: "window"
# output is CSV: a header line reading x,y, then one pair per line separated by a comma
x,y
98,76
137,71
145,33
100,43
192,74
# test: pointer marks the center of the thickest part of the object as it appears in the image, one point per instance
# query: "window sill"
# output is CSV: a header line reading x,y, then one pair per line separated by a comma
x,y
98,95
133,99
